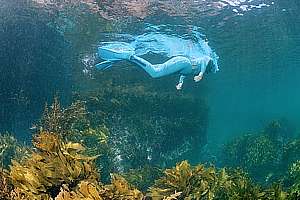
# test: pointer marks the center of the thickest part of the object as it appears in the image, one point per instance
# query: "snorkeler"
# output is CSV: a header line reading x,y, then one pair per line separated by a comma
x,y
184,63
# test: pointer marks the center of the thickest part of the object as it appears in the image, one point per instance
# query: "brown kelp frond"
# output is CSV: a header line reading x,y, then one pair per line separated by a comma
x,y
47,142
72,125
5,186
85,190
174,196
17,194
144,177
64,121
120,189
53,164
275,192
202,182
236,185
193,182
7,190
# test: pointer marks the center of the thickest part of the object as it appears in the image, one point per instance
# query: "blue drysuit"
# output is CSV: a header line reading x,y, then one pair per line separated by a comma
x,y
187,58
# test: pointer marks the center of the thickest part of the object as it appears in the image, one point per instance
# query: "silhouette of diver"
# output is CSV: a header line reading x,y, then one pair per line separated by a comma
x,y
186,61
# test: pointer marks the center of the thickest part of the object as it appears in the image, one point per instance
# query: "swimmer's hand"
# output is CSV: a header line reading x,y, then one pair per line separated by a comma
x,y
198,77
179,86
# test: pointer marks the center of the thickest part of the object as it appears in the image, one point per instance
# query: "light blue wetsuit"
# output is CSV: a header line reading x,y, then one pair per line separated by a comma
x,y
186,57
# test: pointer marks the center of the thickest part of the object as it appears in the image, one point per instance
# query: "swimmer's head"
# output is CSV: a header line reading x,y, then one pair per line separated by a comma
x,y
210,64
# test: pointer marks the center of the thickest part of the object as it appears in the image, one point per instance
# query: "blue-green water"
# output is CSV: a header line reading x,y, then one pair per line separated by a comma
x,y
44,45
260,77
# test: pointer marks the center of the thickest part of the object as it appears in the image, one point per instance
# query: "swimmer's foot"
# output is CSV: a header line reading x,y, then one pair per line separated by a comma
x,y
179,86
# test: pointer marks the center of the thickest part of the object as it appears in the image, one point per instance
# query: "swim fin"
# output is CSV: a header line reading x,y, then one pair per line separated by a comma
x,y
104,65
115,51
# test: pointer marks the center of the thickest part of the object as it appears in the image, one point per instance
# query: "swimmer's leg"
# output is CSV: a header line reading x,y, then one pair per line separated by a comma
x,y
173,65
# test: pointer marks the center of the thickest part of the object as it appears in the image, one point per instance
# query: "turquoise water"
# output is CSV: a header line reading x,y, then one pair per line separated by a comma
x,y
47,49
260,76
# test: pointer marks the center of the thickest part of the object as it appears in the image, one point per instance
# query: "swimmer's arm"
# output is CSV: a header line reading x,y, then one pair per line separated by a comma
x,y
202,70
199,76
180,82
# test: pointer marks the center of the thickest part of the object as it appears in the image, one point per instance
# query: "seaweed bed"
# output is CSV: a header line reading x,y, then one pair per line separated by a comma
x,y
71,157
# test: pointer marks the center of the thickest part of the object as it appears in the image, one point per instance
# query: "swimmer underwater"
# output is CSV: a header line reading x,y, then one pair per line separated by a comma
x,y
186,57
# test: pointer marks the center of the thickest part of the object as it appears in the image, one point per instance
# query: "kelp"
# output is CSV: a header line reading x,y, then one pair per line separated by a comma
x,y
85,190
53,163
256,153
294,176
143,177
62,169
7,190
5,186
72,123
235,184
11,148
58,170
97,141
276,192
119,189
265,155
192,182
64,121
200,182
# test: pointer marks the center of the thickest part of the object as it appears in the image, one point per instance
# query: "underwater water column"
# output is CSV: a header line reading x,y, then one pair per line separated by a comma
x,y
34,65
260,75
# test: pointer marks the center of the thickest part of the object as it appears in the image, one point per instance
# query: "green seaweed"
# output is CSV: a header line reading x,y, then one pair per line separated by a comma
x,y
10,148
66,165
261,154
144,177
64,121
294,176
192,182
